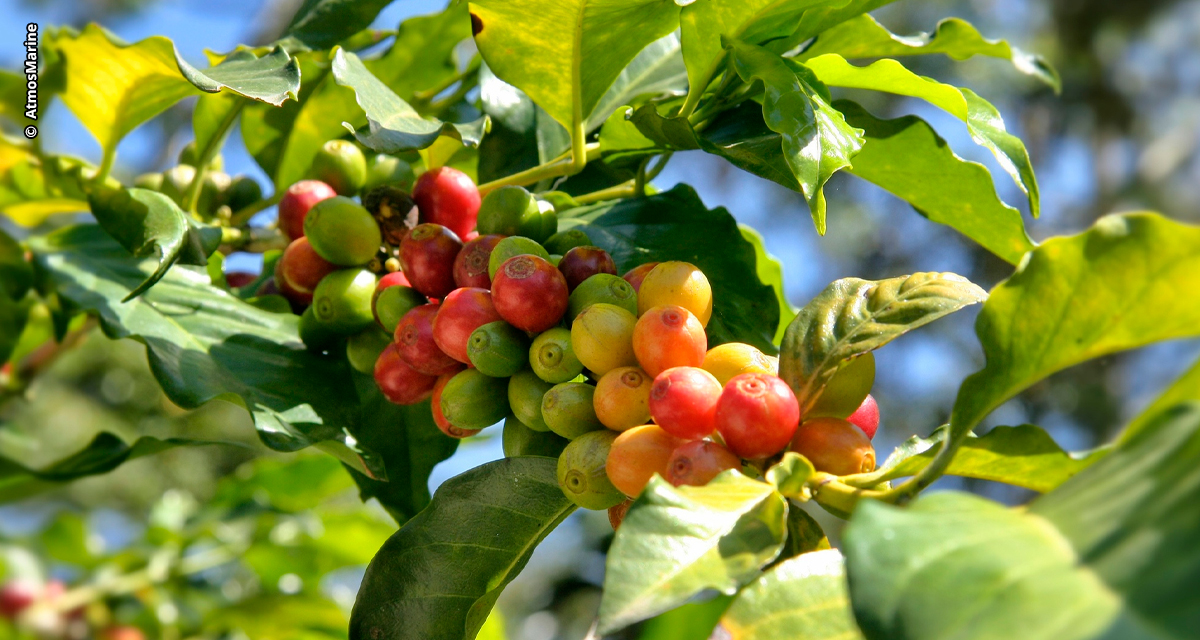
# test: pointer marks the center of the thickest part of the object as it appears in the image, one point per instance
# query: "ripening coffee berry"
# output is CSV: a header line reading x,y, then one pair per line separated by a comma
x,y
176,181
149,181
364,347
581,263
471,265
297,201
683,401
543,226
698,462
427,257
244,191
342,232
414,339
602,287
525,393
212,191
506,210
636,275
239,279
472,400
563,241
530,293
448,197
439,418
622,399
568,409
399,382
602,337
512,247
616,515
498,349
582,471
734,358
757,415
520,440
341,165
299,270
866,417
668,336
847,389
677,283
834,446
553,358
386,170
462,312
638,454
342,300
393,301
317,336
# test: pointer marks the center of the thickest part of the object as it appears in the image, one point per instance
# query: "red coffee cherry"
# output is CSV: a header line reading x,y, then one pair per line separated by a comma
x,y
399,382
299,271
581,263
471,265
427,256
834,446
414,340
439,418
669,336
757,415
295,203
698,462
462,312
683,401
866,417
238,279
635,275
448,197
530,293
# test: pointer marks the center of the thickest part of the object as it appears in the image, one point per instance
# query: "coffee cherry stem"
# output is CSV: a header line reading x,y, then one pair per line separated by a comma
x,y
829,491
563,165
192,195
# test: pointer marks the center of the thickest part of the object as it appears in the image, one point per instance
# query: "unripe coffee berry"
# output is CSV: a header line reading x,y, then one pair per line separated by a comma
x,y
757,415
696,463
638,454
581,263
506,210
439,418
582,471
563,241
530,293
512,247
622,398
342,232
568,409
341,165
602,337
834,446
462,312
399,382
683,401
414,339
384,169
471,264
342,300
677,283
669,336
393,301
520,440
552,357
427,256
498,349
525,393
602,287
472,400
364,347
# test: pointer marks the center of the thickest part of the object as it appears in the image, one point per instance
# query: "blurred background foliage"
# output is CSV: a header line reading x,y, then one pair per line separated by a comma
x,y
230,540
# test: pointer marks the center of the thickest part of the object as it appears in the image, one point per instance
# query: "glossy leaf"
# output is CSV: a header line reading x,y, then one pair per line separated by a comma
x,y
692,621
677,542
852,316
804,535
440,574
205,343
1025,456
770,271
565,54
675,225
1185,389
210,113
394,126
804,597
864,37
523,135
1099,557
817,141
13,316
320,24
983,121
272,78
34,188
1080,297
657,71
906,157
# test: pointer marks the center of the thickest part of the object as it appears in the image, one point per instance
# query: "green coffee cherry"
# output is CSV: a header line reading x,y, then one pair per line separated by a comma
x,y
342,300
498,349
583,473
552,357
472,400
507,211
568,411
525,391
176,180
243,192
602,287
342,232
555,259
341,165
213,191
511,247
151,181
520,440
383,169
564,241
393,302
190,155
317,336
364,347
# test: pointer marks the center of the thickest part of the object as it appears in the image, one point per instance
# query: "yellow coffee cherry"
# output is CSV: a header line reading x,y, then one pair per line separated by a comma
x,y
678,283
622,399
728,360
602,337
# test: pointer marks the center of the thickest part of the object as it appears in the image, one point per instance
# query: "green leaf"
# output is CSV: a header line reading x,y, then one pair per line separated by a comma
x,y
983,121
300,616
1186,388
211,112
440,574
804,534
1124,283
791,474
270,134
692,621
804,597
272,79
825,15
1025,456
395,126
13,316
13,97
906,157
770,271
540,46
289,485
863,37
1106,555
657,71
204,343
523,135
33,188
817,141
677,542
16,276
675,225
103,454
148,223
852,316
320,24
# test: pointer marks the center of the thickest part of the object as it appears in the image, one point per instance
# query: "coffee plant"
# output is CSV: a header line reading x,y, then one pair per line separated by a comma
x,y
467,237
